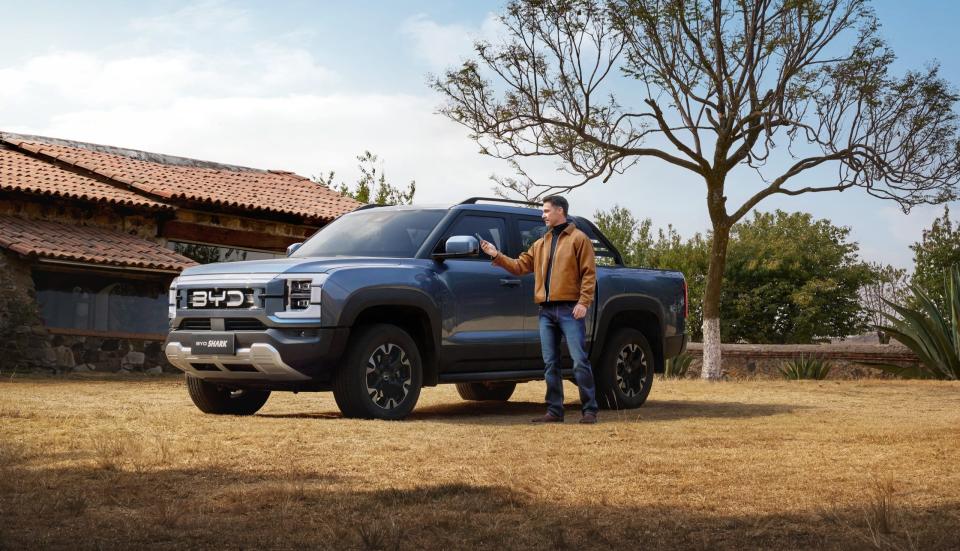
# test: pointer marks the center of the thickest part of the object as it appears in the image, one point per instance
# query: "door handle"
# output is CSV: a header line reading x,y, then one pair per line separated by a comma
x,y
510,282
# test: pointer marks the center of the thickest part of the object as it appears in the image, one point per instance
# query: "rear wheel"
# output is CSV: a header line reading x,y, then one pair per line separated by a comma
x,y
625,374
381,376
481,392
219,400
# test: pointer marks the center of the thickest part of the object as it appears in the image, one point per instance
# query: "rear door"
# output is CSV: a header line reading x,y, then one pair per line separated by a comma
x,y
486,331
531,229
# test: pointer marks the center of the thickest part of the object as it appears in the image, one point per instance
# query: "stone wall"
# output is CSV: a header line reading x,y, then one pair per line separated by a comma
x,y
23,338
27,345
764,361
110,355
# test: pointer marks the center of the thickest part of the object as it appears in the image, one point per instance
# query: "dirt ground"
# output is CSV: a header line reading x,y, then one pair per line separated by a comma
x,y
90,462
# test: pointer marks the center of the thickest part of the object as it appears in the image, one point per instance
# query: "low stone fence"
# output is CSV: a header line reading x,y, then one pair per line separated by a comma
x,y
764,360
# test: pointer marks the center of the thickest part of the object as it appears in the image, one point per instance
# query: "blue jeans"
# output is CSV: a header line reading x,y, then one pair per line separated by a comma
x,y
557,320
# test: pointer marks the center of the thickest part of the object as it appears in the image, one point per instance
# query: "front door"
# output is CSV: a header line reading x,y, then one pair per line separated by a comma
x,y
487,329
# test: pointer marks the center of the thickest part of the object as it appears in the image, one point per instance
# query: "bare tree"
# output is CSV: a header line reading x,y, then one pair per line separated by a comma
x,y
799,91
888,285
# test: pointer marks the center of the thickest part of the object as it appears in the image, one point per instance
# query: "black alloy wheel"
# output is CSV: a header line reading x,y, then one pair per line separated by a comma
x,y
389,375
625,372
631,369
381,375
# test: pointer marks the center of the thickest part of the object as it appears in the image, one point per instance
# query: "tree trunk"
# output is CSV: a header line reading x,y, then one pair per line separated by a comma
x,y
712,367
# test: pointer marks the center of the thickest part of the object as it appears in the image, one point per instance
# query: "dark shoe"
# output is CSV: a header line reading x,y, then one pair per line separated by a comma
x,y
548,418
588,419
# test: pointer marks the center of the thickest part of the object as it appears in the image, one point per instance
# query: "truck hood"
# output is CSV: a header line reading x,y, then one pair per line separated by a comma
x,y
288,265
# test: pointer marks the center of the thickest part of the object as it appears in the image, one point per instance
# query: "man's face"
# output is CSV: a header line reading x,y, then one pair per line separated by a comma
x,y
553,216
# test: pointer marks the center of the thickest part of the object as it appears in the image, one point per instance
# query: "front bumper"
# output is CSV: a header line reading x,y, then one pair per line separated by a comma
x,y
272,355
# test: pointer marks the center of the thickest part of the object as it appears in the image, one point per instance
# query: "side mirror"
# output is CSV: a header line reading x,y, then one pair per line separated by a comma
x,y
459,246
293,248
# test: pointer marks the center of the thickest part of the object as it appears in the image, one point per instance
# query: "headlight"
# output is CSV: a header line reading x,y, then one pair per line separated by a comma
x,y
172,299
303,293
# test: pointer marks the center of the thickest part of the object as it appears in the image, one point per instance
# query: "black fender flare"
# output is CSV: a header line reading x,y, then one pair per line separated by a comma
x,y
619,305
366,299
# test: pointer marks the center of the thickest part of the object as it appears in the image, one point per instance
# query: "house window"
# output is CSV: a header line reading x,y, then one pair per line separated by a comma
x,y
208,254
100,303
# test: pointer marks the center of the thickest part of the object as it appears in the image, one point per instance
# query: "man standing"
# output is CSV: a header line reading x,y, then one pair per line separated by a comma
x,y
565,276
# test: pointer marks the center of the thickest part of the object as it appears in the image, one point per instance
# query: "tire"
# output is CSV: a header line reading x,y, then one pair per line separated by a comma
x,y
625,374
486,392
218,400
381,376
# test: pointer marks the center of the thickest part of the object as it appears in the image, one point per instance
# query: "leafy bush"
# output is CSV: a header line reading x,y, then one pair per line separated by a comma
x,y
806,368
676,368
929,331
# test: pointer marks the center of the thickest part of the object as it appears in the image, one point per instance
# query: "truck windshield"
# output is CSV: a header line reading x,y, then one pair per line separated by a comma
x,y
380,233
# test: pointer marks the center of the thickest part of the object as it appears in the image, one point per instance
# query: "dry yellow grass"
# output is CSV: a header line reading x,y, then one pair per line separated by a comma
x,y
101,463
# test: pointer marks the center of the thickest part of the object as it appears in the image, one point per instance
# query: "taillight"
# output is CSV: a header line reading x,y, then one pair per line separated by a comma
x,y
686,301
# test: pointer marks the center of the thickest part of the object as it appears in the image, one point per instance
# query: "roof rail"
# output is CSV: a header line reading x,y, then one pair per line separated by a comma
x,y
473,201
367,206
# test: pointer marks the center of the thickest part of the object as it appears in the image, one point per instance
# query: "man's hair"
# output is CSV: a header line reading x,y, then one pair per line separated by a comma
x,y
558,201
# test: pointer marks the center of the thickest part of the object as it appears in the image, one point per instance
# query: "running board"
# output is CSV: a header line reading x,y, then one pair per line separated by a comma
x,y
487,376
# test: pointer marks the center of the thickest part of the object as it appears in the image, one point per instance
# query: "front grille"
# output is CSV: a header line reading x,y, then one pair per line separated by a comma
x,y
243,324
195,324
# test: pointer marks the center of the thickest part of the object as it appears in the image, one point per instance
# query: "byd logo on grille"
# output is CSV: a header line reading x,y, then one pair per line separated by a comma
x,y
231,298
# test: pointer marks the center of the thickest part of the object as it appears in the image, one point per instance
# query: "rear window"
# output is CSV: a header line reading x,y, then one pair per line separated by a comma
x,y
605,256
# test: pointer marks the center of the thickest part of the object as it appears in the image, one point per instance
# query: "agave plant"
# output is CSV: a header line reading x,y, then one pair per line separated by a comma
x,y
806,368
931,334
676,367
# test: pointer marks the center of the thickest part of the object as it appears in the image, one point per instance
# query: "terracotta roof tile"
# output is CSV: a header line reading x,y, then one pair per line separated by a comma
x,y
237,187
86,244
22,172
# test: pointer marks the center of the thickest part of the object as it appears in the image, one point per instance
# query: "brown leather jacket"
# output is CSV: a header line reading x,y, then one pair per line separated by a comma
x,y
574,274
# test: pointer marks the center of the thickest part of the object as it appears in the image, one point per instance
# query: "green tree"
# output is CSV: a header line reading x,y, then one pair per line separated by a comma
x,y
692,257
635,241
937,250
800,91
628,234
789,278
372,181
792,279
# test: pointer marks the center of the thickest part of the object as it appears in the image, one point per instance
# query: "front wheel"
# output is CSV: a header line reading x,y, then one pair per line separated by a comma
x,y
218,400
625,374
381,376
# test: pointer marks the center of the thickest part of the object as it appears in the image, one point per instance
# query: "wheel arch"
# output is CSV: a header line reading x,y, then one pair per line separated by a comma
x,y
640,313
413,319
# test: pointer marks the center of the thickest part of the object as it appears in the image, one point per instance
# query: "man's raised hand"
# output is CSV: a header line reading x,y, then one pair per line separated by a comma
x,y
488,248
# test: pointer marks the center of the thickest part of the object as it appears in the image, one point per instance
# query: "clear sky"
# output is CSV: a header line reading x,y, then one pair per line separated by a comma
x,y
307,86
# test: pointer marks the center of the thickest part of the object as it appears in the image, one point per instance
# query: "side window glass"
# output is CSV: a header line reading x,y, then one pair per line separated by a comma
x,y
490,228
603,255
530,230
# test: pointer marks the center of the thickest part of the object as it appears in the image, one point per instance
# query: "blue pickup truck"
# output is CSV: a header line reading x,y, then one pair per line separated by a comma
x,y
386,300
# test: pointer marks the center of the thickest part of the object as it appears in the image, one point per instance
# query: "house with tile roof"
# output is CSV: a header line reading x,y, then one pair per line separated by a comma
x,y
92,235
